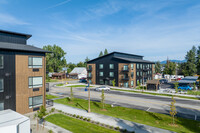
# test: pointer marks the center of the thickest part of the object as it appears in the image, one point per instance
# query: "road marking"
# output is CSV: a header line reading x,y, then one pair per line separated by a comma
x,y
148,109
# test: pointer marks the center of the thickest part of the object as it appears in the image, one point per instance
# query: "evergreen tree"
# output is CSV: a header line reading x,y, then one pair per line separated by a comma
x,y
86,60
190,68
198,61
170,68
101,54
105,52
158,67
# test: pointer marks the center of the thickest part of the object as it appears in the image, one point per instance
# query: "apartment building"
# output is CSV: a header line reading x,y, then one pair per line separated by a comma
x,y
22,73
126,69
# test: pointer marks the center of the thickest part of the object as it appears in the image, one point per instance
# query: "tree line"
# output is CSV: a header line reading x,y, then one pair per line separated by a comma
x,y
55,61
188,68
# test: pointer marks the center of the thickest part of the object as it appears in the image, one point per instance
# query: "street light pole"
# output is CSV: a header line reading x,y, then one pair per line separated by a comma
x,y
88,98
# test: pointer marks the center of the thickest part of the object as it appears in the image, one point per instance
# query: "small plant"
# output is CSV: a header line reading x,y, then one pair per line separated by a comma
x,y
50,131
111,127
88,119
98,123
77,116
85,119
176,86
60,111
71,94
74,115
113,83
81,117
68,99
52,110
117,128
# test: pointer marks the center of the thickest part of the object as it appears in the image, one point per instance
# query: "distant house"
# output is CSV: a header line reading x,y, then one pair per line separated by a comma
x,y
78,73
58,75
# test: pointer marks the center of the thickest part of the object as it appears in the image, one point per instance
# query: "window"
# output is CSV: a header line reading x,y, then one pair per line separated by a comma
x,y
132,66
132,74
111,74
89,67
110,82
141,81
101,81
100,66
89,74
138,66
132,83
126,84
100,73
35,82
141,74
1,62
1,105
1,85
90,81
125,67
111,66
35,101
138,73
35,62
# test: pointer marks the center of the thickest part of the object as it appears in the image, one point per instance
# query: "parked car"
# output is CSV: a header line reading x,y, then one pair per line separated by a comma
x,y
163,81
105,88
185,87
83,81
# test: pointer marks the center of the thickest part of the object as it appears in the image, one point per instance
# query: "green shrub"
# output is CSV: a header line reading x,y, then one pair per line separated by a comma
x,y
81,117
77,116
85,119
60,111
111,127
117,128
74,115
50,131
88,119
52,110
98,123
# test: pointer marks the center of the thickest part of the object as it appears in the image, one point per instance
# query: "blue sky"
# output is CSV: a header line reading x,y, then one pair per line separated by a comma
x,y
156,29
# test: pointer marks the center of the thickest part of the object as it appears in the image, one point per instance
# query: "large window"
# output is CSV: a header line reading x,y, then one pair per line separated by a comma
x,y
111,74
1,85
125,67
90,74
100,66
132,83
132,74
132,66
1,105
1,62
126,84
35,101
138,66
111,66
101,74
35,62
101,81
35,82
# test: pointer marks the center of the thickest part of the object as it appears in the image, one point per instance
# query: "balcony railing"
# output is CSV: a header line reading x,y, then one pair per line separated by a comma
x,y
125,70
89,69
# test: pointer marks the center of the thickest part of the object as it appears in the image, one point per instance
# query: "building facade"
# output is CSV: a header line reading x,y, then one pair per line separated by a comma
x,y
127,70
22,73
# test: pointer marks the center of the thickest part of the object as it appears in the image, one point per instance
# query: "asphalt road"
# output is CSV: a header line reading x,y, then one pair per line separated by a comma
x,y
159,104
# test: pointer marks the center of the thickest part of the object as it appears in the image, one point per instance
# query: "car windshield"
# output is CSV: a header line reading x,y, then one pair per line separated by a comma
x,y
102,87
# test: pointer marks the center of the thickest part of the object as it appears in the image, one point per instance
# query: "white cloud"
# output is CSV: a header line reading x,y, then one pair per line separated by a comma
x,y
59,4
6,19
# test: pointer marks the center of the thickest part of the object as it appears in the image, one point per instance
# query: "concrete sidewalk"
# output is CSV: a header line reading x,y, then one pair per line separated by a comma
x,y
112,121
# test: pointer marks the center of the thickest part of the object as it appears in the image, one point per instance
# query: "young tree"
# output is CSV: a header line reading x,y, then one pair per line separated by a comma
x,y
55,61
71,94
173,109
102,99
170,68
101,54
70,66
105,52
113,82
42,113
176,86
158,67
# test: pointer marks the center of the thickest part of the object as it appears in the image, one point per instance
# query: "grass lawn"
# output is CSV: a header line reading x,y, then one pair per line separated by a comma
x,y
51,80
78,86
50,97
59,84
75,125
194,98
139,116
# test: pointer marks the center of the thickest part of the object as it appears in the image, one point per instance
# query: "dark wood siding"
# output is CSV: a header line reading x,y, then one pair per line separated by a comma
x,y
8,74
12,38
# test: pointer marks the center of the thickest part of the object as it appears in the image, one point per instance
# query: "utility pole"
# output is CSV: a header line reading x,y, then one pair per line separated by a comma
x,y
88,98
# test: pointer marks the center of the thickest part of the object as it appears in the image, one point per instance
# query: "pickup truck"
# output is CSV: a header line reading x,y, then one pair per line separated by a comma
x,y
186,87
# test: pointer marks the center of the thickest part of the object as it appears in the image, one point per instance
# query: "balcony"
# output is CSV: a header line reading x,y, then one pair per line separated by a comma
x,y
89,69
125,78
125,70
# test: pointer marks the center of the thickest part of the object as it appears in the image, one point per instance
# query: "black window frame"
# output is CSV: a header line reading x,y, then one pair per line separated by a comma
x,y
37,105
32,86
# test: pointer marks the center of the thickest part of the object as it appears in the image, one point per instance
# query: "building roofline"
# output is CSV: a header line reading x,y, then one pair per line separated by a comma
x,y
113,53
16,33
